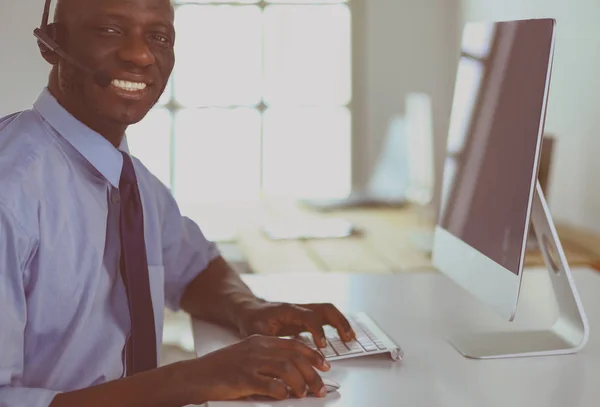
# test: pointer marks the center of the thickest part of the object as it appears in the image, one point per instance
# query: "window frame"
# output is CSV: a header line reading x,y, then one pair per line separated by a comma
x,y
355,105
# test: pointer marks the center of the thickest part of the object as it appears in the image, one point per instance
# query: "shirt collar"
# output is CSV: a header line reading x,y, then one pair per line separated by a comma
x,y
97,150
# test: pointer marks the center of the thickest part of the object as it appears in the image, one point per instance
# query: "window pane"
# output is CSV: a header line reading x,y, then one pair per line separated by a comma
x,y
307,152
307,1
150,141
219,55
215,1
218,154
307,55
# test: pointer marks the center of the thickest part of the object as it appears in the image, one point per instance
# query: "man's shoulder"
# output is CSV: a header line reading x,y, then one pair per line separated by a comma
x,y
24,136
25,121
24,141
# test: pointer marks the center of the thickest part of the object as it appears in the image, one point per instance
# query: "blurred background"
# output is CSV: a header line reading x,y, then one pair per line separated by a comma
x,y
300,99
276,102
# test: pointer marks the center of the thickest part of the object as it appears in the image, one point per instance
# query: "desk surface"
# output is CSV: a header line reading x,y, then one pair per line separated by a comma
x,y
419,310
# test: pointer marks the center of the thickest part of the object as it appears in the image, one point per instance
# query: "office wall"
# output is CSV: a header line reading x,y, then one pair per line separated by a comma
x,y
23,71
574,102
405,46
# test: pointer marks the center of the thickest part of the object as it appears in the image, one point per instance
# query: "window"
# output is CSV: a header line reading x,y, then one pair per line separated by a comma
x,y
258,102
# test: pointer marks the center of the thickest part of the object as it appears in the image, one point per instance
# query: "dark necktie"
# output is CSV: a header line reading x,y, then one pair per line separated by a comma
x,y
142,344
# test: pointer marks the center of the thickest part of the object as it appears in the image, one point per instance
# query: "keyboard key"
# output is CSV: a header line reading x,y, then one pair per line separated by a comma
x,y
330,331
307,341
369,334
328,352
334,342
340,347
369,346
354,346
363,338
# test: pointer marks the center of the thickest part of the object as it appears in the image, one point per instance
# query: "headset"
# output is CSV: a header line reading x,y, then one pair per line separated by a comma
x,y
47,44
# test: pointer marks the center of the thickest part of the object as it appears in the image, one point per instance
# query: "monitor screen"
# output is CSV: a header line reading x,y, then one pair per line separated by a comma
x,y
495,133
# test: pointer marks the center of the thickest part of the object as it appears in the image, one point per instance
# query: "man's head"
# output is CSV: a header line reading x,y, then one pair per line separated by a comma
x,y
129,40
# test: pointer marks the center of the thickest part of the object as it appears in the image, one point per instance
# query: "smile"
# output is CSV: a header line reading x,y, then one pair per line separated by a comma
x,y
128,86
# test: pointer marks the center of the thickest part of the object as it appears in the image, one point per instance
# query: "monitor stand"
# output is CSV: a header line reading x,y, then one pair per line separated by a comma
x,y
570,332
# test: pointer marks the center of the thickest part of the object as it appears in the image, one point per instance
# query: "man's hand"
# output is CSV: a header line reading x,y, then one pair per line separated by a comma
x,y
283,319
256,366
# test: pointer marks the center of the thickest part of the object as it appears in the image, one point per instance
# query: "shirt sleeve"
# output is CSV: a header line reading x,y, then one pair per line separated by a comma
x,y
186,252
15,250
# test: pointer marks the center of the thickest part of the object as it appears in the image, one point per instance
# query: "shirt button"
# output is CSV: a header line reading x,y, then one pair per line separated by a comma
x,y
116,199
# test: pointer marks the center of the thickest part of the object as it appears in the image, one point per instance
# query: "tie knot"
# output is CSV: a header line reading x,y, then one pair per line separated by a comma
x,y
127,173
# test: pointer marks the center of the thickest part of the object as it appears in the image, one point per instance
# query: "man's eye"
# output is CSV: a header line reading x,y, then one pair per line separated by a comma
x,y
161,39
108,30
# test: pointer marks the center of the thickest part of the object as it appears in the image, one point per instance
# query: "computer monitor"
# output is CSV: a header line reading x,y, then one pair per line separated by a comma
x,y
490,190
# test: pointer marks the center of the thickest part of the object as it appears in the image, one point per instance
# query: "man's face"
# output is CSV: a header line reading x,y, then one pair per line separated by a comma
x,y
129,40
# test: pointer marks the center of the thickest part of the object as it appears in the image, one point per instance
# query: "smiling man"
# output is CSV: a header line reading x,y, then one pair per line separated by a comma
x,y
93,247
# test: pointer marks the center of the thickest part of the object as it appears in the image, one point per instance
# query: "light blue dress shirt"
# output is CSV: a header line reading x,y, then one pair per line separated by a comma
x,y
64,319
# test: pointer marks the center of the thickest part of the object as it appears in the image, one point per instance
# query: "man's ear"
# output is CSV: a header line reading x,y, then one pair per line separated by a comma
x,y
50,56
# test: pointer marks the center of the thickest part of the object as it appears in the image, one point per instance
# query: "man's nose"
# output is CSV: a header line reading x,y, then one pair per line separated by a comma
x,y
135,50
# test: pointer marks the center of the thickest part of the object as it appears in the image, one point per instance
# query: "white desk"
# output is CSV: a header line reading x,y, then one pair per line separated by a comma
x,y
418,310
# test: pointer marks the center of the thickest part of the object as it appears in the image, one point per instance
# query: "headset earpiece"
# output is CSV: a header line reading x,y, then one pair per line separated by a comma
x,y
50,34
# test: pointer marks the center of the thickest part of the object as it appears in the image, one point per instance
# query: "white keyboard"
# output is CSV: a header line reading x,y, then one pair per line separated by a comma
x,y
367,342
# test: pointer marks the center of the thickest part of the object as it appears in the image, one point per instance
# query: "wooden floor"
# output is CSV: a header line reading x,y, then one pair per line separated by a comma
x,y
391,239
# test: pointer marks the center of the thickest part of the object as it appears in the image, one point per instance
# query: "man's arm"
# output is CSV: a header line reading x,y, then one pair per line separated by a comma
x,y
156,388
199,281
16,250
219,295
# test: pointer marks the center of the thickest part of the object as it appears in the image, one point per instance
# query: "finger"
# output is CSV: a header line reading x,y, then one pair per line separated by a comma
x,y
283,368
315,358
298,319
268,387
311,377
334,317
311,322
303,365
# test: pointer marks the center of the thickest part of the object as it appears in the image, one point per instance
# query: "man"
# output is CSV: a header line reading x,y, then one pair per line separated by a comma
x,y
92,246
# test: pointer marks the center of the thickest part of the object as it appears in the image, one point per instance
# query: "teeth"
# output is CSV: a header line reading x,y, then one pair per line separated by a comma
x,y
129,86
